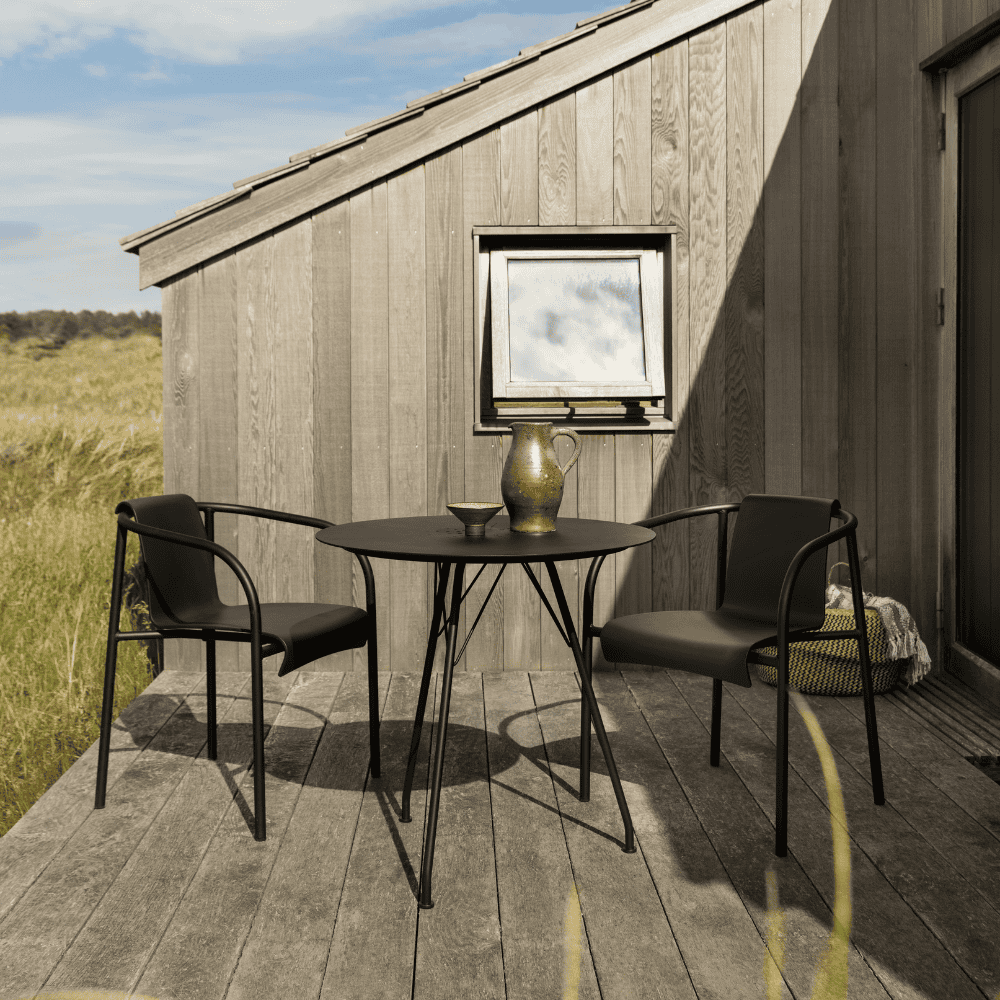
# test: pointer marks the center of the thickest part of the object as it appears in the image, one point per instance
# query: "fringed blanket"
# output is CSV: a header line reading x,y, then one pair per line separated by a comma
x,y
900,630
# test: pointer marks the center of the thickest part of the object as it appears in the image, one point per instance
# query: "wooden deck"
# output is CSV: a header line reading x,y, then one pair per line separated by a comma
x,y
165,893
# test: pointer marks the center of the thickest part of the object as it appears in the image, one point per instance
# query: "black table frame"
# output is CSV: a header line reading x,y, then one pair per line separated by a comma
x,y
443,572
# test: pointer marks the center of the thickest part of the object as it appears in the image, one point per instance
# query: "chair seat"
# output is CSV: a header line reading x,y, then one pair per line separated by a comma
x,y
305,631
712,643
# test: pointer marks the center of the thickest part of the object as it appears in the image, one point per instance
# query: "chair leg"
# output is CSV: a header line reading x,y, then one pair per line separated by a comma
x,y
374,739
781,762
213,735
257,704
104,748
867,687
585,721
716,722
110,662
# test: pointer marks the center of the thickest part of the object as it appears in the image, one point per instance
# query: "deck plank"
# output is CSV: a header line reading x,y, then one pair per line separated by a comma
x,y
123,932
909,961
717,938
740,826
166,894
534,874
925,879
946,769
287,948
38,931
634,950
458,942
41,833
200,946
960,840
374,940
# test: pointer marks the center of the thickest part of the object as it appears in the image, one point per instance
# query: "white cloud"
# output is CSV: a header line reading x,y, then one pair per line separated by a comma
x,y
169,152
217,33
95,69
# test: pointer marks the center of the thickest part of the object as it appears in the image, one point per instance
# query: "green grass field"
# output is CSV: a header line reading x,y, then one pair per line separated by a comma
x,y
80,429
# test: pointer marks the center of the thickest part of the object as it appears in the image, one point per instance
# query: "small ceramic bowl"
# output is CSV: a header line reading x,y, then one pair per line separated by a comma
x,y
475,515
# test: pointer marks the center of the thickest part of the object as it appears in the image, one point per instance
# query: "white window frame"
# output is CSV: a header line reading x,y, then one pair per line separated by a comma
x,y
620,410
651,299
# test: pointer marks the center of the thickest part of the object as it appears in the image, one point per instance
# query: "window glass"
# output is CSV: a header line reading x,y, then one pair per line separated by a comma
x,y
575,319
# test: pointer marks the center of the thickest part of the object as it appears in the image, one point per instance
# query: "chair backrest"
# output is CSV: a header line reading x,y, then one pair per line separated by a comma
x,y
181,579
769,531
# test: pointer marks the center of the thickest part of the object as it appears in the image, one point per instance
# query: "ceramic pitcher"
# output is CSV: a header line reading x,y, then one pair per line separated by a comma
x,y
532,480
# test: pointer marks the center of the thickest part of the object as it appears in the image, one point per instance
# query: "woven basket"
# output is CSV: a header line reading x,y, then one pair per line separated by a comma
x,y
833,667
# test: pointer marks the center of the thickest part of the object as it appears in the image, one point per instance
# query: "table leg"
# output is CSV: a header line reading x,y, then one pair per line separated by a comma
x,y
437,771
595,712
444,571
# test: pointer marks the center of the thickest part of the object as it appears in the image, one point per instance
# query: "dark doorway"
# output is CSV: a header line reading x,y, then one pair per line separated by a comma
x,y
978,467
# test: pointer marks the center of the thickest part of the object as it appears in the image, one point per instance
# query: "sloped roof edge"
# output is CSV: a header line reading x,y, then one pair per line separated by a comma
x,y
371,152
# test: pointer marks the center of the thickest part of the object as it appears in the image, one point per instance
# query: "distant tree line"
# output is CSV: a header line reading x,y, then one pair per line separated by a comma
x,y
55,328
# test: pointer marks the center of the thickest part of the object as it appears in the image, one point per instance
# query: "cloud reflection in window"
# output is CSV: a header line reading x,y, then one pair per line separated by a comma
x,y
575,320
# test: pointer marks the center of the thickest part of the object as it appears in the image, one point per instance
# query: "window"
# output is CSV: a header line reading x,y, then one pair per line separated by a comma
x,y
573,326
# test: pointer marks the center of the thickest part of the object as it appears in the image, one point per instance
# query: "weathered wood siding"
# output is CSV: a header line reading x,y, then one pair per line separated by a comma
x,y
790,146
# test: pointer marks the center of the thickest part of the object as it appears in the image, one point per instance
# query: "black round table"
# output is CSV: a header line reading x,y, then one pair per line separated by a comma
x,y
441,539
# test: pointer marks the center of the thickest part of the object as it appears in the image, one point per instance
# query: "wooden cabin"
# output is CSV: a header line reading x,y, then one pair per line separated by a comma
x,y
796,162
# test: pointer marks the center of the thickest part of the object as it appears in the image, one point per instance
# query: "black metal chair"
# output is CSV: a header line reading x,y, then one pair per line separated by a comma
x,y
178,550
770,594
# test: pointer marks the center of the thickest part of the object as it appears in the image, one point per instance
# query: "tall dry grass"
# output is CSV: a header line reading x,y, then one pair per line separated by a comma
x,y
80,429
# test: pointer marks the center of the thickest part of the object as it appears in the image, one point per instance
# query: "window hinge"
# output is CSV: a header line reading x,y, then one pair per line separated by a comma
x,y
941,131
940,307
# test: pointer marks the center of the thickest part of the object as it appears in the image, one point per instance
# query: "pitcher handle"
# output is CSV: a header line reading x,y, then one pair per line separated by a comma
x,y
568,432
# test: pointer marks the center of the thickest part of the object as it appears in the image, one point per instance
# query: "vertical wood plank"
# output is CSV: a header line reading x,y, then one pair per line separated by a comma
x,y
484,452
896,281
744,309
670,192
217,458
255,308
519,206
292,450
820,249
519,171
331,291
408,405
557,162
369,392
557,207
706,404
595,138
447,343
858,481
632,158
182,376
595,174
782,223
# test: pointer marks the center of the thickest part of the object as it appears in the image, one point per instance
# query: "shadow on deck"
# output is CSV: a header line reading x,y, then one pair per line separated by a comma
x,y
165,893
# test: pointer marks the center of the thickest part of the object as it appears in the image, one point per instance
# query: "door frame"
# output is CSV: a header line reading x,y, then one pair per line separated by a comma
x,y
976,69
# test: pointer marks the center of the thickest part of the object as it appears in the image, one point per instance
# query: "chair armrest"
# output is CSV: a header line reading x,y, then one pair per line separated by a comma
x,y
271,515
279,515
677,515
126,523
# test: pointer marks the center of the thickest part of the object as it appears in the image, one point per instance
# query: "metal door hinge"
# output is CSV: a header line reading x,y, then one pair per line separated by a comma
x,y
940,307
941,131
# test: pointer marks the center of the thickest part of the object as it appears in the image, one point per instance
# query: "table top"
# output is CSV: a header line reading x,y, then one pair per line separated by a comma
x,y
442,538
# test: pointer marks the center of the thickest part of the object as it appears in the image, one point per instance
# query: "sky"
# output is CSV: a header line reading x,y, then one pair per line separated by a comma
x,y
114,114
